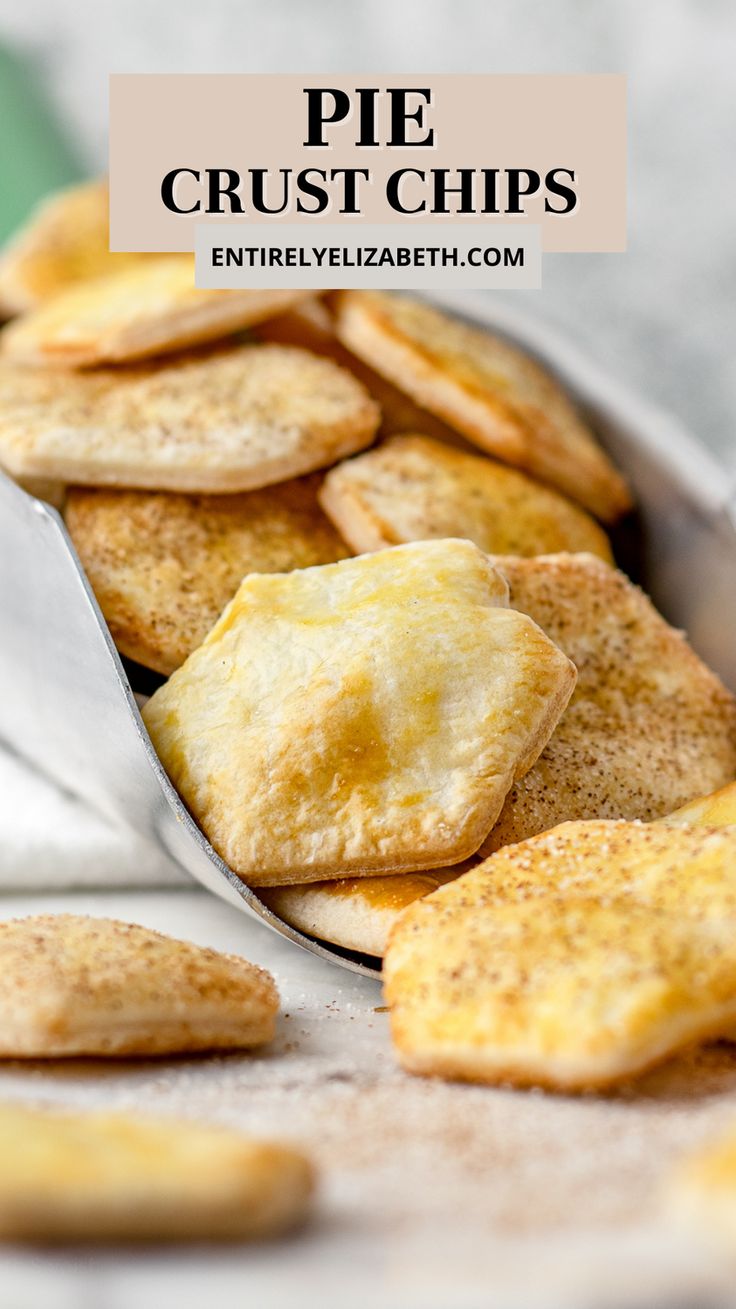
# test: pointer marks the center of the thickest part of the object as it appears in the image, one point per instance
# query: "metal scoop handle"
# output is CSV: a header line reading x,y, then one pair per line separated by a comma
x,y
66,704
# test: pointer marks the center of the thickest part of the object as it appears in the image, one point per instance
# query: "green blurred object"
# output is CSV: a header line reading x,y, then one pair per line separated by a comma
x,y
36,156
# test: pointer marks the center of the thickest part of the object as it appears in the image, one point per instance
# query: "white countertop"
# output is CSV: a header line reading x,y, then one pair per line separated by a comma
x,y
433,1196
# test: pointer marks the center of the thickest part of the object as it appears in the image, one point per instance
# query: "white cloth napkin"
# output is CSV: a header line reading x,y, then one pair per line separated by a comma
x,y
50,839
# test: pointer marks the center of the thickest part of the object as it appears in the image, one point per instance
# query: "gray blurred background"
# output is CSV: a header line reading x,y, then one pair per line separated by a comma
x,y
661,317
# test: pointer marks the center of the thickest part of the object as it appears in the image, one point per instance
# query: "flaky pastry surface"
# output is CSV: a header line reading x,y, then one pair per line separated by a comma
x,y
412,488
649,726
575,959
222,421
150,307
164,566
72,985
492,392
362,717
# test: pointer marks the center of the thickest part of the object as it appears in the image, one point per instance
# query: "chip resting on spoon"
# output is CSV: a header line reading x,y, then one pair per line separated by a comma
x,y
649,726
65,240
358,913
412,488
492,392
164,566
148,308
221,421
359,717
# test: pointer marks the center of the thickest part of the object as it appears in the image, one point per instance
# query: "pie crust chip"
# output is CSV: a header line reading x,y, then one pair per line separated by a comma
x,y
356,913
92,986
164,566
486,388
148,308
95,1177
222,421
65,240
649,726
360,717
576,959
412,488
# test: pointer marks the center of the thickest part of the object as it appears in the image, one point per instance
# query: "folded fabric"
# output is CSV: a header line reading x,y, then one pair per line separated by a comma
x,y
49,838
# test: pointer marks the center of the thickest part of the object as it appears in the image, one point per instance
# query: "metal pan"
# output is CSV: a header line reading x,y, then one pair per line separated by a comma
x,y
66,703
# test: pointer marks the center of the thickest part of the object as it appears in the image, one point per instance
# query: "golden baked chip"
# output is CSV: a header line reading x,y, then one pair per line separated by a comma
x,y
224,421
95,1177
702,1189
715,810
91,986
412,488
649,726
163,566
65,240
366,716
148,308
575,959
310,324
489,390
356,913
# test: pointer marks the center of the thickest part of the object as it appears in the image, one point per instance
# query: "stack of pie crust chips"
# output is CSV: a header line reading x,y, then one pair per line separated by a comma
x,y
362,548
